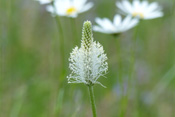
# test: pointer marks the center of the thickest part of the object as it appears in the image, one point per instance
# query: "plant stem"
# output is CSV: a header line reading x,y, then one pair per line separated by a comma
x,y
74,30
132,70
172,41
118,50
91,93
61,43
132,57
120,75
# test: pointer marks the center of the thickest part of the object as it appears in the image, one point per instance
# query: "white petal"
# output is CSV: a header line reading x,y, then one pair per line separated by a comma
x,y
105,26
64,4
117,20
126,21
99,21
108,24
154,15
73,15
144,4
60,6
50,8
79,3
99,29
86,7
104,23
128,6
44,1
136,4
121,7
132,23
153,6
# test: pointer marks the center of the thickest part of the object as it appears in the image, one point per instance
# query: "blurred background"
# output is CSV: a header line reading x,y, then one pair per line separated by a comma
x,y
30,64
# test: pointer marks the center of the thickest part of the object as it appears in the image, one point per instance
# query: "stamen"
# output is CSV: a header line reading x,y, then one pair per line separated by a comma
x,y
137,14
71,10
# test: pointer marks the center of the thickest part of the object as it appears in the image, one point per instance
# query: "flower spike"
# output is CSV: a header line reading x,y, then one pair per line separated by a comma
x,y
88,62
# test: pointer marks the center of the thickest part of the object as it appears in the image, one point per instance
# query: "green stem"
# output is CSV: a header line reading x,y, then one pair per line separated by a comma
x,y
61,44
132,69
118,50
132,58
119,60
172,41
120,75
61,36
74,30
91,93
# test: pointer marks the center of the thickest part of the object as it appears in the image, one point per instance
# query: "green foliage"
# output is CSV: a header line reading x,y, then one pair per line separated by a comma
x,y
30,84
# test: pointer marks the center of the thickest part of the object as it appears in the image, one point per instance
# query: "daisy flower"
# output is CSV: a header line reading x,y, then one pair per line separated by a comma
x,y
44,1
140,9
69,8
88,62
117,26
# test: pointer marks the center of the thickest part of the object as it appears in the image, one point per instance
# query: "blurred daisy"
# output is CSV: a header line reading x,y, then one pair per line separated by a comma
x,y
44,1
140,9
115,27
69,8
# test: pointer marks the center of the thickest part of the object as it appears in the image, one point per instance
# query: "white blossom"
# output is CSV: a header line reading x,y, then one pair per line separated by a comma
x,y
69,8
117,26
140,9
88,62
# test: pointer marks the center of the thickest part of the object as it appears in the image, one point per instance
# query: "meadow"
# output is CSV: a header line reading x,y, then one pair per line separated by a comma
x,y
140,81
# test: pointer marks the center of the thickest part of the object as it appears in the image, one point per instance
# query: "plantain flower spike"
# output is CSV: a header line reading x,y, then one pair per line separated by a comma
x,y
88,62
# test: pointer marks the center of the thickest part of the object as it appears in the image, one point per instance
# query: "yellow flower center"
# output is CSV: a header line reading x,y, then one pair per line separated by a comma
x,y
137,14
71,10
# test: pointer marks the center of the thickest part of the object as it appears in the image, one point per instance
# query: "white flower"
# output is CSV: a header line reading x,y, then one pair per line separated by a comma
x,y
69,8
141,9
44,1
117,26
88,62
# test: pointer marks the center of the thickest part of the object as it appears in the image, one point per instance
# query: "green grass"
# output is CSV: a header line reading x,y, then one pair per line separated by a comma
x,y
30,60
